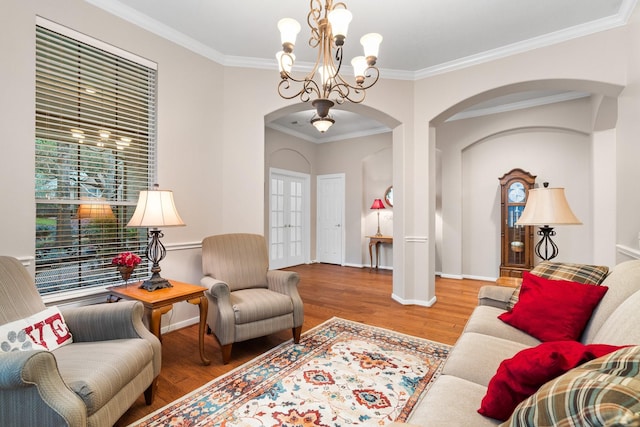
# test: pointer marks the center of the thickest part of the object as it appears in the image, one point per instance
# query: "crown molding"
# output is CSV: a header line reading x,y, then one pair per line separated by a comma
x,y
321,140
520,105
556,37
139,19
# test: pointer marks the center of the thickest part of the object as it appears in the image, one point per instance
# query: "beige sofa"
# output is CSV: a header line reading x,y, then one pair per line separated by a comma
x,y
456,395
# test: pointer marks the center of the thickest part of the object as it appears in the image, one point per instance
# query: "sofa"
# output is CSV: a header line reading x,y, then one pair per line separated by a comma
x,y
454,398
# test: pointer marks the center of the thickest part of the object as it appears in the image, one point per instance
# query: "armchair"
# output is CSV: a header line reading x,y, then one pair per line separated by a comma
x,y
246,299
92,381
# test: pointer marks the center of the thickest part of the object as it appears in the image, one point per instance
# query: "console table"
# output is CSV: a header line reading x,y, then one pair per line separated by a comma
x,y
160,301
376,241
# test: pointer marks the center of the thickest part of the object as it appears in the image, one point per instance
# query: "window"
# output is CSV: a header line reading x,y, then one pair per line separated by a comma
x,y
94,152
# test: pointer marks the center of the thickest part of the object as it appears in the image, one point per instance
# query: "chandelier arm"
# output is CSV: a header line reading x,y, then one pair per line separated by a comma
x,y
308,87
313,18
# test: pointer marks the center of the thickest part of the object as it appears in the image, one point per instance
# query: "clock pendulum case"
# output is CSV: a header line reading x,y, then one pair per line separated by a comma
x,y
516,241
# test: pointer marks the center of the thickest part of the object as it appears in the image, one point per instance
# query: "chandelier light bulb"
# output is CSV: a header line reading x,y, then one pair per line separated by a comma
x,y
359,64
371,43
289,29
327,75
322,124
339,19
285,62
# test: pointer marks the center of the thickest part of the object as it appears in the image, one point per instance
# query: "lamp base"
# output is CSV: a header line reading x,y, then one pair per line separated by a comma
x,y
155,282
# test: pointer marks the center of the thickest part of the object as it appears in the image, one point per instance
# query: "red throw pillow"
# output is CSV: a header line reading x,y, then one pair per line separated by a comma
x,y
522,375
553,310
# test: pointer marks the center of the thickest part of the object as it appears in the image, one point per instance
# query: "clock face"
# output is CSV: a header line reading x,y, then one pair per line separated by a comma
x,y
516,192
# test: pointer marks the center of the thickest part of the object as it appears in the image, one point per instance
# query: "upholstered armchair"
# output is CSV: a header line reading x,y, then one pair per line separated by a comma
x,y
246,299
91,381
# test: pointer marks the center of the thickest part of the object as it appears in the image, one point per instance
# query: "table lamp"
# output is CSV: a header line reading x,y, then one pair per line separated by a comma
x,y
546,207
155,208
377,205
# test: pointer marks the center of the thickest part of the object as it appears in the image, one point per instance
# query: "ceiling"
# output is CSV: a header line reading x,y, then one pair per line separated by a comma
x,y
421,38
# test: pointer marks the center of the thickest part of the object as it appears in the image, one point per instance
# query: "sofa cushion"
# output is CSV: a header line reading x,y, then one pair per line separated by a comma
x,y
522,375
622,283
553,310
451,401
484,320
621,327
476,357
604,391
581,273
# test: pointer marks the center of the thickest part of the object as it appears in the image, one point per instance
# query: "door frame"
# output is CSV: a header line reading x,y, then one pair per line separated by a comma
x,y
306,202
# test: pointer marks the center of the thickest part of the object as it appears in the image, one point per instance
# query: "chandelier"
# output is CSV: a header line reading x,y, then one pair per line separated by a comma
x,y
324,84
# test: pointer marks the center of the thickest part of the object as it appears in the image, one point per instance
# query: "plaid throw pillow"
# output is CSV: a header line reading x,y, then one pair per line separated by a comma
x,y
604,391
580,273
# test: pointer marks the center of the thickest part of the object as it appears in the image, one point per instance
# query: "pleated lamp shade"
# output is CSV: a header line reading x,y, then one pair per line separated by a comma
x,y
156,208
547,206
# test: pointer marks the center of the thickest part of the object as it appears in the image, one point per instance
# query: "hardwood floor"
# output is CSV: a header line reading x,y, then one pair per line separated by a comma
x,y
358,294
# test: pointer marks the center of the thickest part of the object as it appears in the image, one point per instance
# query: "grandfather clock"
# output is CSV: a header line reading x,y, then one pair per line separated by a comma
x,y
516,241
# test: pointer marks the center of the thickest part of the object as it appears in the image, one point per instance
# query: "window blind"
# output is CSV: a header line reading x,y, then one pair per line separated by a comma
x,y
94,151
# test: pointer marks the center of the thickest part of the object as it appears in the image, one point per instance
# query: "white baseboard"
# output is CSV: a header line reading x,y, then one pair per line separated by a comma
x,y
414,302
179,325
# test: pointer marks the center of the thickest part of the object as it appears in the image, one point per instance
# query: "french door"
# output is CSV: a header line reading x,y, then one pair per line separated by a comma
x,y
288,218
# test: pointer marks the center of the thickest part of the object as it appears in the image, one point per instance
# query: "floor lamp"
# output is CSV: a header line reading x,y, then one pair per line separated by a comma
x,y
155,208
547,207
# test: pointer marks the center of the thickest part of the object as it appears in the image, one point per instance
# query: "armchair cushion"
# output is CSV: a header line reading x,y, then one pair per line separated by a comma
x,y
251,305
119,361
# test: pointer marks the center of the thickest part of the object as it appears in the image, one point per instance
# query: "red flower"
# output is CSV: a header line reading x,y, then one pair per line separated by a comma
x,y
127,259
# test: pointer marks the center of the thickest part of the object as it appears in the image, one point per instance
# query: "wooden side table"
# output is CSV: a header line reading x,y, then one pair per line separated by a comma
x,y
376,241
160,301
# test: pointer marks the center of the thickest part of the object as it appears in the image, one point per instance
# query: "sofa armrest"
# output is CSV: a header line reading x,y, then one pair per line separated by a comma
x,y
30,381
494,296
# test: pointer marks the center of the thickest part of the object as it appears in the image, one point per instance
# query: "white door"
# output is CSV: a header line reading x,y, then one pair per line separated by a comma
x,y
288,218
330,218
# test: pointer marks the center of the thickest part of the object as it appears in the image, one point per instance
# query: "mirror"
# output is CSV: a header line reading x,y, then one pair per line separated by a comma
x,y
388,196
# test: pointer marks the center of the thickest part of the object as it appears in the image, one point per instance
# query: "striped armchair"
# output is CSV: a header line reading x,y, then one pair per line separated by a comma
x,y
246,299
92,381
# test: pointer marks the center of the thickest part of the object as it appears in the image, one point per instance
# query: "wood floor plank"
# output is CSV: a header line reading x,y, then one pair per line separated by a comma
x,y
357,294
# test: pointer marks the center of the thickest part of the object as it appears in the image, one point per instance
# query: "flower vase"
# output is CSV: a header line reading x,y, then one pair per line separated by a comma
x,y
125,273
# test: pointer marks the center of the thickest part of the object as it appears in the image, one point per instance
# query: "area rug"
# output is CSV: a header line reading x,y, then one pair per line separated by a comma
x,y
341,373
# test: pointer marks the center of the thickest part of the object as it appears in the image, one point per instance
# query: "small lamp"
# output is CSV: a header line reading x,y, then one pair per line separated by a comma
x,y
155,209
377,205
546,207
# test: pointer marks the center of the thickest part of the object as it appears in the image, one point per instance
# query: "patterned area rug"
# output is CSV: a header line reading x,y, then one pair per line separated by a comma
x,y
341,373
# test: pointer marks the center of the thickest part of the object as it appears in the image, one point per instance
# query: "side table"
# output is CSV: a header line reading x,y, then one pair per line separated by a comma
x,y
376,241
160,301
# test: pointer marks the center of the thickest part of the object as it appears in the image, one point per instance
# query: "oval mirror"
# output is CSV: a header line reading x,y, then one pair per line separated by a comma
x,y
388,196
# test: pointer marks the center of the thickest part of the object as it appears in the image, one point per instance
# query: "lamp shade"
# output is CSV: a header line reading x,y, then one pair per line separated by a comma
x,y
89,210
155,208
377,204
547,206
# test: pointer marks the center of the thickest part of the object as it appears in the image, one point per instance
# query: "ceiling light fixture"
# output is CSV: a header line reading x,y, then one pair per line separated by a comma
x,y
328,33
